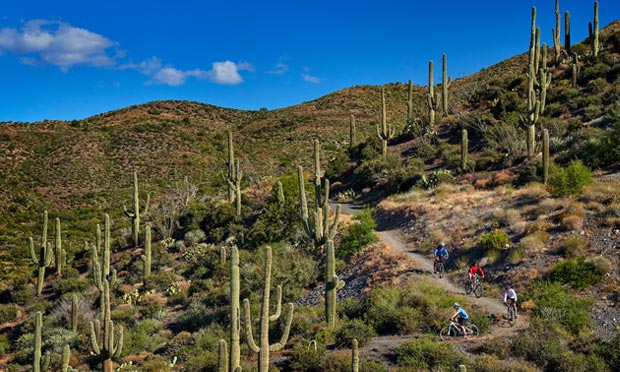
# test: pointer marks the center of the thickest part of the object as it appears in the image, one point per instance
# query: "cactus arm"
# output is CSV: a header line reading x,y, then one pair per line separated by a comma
x,y
303,202
119,343
247,320
355,356
334,227
95,332
74,313
222,356
287,328
33,254
276,316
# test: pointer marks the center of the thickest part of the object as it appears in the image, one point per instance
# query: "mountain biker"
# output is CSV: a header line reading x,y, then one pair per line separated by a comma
x,y
460,316
473,270
510,298
440,254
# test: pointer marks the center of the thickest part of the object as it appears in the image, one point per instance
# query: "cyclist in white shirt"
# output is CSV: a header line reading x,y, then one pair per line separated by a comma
x,y
510,298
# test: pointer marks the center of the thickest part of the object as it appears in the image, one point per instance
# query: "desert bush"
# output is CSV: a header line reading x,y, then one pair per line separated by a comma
x,y
428,354
337,165
577,272
5,345
292,268
350,308
354,328
377,170
554,304
609,352
8,313
490,363
495,240
358,235
570,180
572,222
305,358
574,246
193,237
143,336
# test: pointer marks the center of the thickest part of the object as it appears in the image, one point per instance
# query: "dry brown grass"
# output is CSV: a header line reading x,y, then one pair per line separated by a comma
x,y
534,243
551,204
503,177
572,222
603,262
542,224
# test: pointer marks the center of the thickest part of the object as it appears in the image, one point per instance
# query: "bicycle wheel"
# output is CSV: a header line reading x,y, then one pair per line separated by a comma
x,y
511,316
472,330
446,333
468,287
440,269
478,290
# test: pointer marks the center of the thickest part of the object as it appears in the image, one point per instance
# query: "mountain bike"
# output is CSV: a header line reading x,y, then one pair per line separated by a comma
x,y
512,317
454,330
439,267
474,285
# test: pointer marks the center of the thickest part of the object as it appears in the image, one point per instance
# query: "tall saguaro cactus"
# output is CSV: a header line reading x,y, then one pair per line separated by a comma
x,y
45,255
222,357
264,348
445,84
231,167
66,356
410,102
60,253
318,228
384,132
431,97
355,356
464,149
352,132
235,183
146,257
595,43
332,283
39,365
545,156
557,46
235,318
101,270
567,32
135,214
74,313
103,340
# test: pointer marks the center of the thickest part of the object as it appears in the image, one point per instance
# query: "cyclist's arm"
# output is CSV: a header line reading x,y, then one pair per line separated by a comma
x,y
505,296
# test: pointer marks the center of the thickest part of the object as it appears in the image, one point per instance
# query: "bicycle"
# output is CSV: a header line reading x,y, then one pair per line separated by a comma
x,y
439,267
512,317
454,330
474,285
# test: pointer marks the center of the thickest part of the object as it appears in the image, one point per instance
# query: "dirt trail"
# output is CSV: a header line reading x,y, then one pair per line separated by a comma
x,y
394,239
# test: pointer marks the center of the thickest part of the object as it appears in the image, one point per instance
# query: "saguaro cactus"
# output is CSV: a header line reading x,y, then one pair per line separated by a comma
x,y
318,228
352,132
222,356
595,43
135,214
431,98
567,32
61,254
410,102
355,362
235,320
445,84
384,132
235,183
74,313
66,356
557,46
264,347
103,343
464,149
545,156
45,255
231,167
39,365
332,283
146,257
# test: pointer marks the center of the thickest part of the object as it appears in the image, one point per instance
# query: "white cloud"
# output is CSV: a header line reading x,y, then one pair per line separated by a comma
x,y
226,73
58,44
146,67
170,76
310,79
279,69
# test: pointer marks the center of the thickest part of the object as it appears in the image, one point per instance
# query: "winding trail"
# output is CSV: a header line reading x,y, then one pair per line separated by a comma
x,y
387,344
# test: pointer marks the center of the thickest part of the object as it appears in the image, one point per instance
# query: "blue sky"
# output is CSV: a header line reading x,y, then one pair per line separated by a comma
x,y
74,59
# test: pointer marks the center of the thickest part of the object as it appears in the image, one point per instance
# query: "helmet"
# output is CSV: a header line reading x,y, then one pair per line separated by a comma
x,y
442,244
456,304
507,286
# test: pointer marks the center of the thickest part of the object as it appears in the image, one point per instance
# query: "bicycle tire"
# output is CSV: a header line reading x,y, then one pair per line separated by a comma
x,y
478,290
472,331
511,316
468,287
440,269
446,333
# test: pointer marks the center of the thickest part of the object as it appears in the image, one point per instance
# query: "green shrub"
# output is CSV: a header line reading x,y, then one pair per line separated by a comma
x,y
355,328
609,352
570,180
143,336
358,235
5,345
382,309
305,358
577,272
341,362
428,354
555,305
495,240
8,313
337,165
